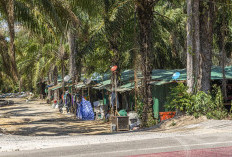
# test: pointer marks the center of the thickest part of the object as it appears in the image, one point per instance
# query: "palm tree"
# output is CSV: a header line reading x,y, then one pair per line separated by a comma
x,y
145,20
7,10
200,43
206,40
222,24
34,58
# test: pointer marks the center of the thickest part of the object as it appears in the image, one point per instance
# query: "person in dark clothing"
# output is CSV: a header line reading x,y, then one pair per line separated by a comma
x,y
68,102
61,103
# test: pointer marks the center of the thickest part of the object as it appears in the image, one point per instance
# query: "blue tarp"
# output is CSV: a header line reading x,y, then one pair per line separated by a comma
x,y
86,110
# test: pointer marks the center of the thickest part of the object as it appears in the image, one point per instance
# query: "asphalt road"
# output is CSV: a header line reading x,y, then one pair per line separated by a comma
x,y
184,145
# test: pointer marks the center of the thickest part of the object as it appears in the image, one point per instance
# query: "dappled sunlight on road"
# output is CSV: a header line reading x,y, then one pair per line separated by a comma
x,y
37,118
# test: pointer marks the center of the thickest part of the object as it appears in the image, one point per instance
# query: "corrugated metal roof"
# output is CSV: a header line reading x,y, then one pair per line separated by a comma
x,y
80,85
159,77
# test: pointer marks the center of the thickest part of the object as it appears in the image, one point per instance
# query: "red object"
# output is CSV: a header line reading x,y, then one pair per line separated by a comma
x,y
166,115
55,102
113,68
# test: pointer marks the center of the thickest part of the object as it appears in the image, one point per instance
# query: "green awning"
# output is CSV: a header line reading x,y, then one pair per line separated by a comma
x,y
80,85
103,85
59,86
55,87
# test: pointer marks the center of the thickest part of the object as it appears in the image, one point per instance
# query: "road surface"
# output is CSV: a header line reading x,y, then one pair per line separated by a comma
x,y
34,129
214,144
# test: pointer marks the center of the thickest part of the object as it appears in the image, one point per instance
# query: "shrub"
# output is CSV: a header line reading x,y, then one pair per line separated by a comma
x,y
139,107
150,119
201,103
179,99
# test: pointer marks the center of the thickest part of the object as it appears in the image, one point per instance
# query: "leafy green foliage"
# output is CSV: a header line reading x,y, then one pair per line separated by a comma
x,y
201,103
44,24
140,108
179,99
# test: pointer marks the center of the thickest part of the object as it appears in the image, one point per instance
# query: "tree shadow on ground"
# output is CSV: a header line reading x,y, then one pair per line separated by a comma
x,y
57,127
12,108
57,131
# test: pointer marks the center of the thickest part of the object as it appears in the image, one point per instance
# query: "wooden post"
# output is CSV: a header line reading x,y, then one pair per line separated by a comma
x,y
88,94
103,96
82,92
112,107
115,88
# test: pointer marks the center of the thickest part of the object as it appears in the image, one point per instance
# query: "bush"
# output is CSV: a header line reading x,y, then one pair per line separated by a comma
x,y
139,107
179,99
201,103
150,119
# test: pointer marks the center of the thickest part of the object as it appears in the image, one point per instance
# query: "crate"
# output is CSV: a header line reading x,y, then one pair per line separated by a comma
x,y
121,122
166,115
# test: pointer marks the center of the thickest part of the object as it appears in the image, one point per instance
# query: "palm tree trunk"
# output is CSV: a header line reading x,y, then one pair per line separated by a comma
x,y
20,84
196,42
190,74
136,82
206,38
72,39
10,21
62,73
145,18
113,46
223,56
49,82
136,62
73,53
62,64
55,76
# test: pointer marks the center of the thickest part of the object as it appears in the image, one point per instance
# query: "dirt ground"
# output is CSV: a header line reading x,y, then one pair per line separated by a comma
x,y
179,124
37,118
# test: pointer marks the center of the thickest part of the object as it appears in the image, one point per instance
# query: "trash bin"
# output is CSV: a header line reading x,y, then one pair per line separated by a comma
x,y
121,123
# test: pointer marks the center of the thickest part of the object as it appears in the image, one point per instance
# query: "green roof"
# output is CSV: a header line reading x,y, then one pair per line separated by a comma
x,y
159,77
103,84
59,86
80,85
55,87
166,75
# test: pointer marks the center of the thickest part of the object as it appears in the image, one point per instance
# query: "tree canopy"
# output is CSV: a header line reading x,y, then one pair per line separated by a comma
x,y
84,36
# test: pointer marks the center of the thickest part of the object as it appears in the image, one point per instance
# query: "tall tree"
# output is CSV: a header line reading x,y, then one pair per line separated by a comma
x,y
206,40
145,22
7,8
222,33
199,44
190,32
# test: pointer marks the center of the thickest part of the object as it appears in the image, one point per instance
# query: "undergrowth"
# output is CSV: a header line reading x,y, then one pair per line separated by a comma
x,y
199,104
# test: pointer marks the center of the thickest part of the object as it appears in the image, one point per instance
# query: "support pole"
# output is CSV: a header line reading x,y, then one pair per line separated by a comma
x,y
82,92
88,94
115,88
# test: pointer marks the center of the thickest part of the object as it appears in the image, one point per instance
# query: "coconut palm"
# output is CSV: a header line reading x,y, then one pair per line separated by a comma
x,y
7,10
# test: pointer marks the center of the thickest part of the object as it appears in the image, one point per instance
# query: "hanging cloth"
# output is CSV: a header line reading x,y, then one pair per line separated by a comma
x,y
78,106
79,113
